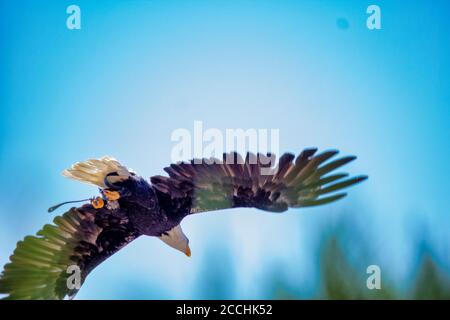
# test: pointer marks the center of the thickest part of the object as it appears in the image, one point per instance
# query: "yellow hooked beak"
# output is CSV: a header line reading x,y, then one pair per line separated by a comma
x,y
188,251
177,240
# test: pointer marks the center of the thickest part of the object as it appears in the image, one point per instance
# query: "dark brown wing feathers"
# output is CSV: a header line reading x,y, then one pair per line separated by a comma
x,y
209,184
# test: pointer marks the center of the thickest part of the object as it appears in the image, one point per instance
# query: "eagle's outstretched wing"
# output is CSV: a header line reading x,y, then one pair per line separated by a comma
x,y
77,242
210,184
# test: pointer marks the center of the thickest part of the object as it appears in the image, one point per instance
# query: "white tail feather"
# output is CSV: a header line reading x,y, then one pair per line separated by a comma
x,y
94,171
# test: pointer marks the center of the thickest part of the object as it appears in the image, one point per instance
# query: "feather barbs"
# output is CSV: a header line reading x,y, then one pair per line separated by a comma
x,y
94,171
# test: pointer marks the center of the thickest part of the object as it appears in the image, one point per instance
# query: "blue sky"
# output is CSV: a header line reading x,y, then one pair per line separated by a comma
x,y
137,70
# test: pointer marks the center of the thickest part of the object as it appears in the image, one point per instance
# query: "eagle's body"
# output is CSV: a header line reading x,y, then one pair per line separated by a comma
x,y
131,206
141,207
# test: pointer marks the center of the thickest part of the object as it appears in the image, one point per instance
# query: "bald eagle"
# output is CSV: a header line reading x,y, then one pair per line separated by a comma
x,y
129,206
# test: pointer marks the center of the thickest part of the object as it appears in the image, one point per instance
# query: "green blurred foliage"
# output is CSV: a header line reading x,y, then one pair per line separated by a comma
x,y
432,282
343,255
342,276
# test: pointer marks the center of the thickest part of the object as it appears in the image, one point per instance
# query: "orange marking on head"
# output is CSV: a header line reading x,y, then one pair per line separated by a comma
x,y
97,202
111,195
